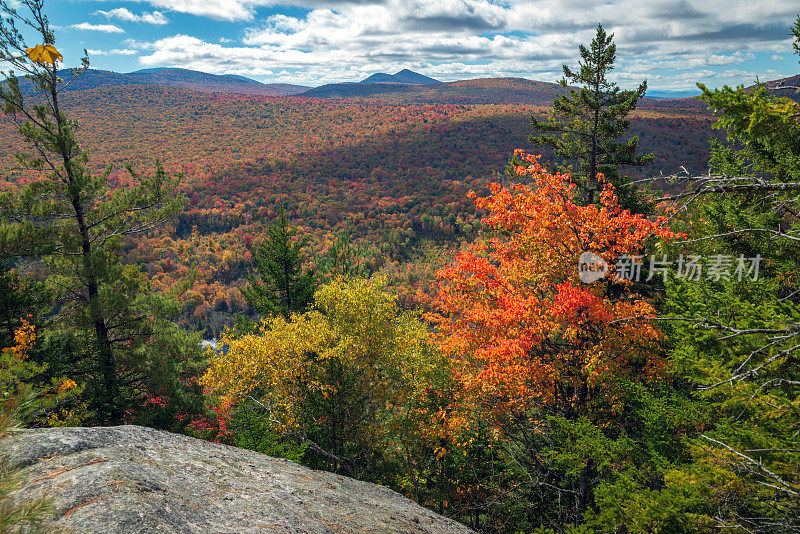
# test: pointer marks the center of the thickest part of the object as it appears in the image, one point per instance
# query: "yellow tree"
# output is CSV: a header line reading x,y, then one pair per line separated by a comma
x,y
334,378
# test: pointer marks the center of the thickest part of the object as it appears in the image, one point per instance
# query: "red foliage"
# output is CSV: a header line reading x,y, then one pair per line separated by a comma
x,y
522,326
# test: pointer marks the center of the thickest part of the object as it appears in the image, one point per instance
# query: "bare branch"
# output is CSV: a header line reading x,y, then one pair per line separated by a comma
x,y
782,484
728,184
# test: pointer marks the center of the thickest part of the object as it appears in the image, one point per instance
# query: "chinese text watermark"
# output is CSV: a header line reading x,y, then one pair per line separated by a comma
x,y
717,267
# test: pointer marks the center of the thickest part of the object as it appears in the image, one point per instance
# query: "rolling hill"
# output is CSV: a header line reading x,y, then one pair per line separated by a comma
x,y
478,91
381,91
403,76
214,83
171,77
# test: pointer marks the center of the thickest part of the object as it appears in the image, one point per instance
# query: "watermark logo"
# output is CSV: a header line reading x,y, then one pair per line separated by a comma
x,y
591,267
717,267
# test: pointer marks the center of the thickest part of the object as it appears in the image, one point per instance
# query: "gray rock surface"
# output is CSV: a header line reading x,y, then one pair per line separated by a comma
x,y
130,479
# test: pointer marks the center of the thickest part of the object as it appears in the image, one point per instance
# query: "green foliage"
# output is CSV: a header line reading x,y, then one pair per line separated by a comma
x,y
734,341
74,224
586,125
250,429
744,375
345,258
20,297
169,363
632,456
795,31
279,285
672,508
762,130
579,529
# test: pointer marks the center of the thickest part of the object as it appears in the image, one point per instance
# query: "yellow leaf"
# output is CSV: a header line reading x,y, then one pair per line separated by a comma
x,y
44,54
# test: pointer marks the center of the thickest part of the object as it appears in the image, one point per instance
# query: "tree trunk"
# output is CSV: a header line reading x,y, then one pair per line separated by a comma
x,y
585,490
107,405
108,408
592,185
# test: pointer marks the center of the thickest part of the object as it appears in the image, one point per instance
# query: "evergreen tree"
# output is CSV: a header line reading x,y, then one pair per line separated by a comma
x,y
736,337
75,222
279,285
345,258
586,125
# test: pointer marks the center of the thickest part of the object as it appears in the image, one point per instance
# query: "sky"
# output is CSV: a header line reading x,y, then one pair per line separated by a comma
x,y
671,43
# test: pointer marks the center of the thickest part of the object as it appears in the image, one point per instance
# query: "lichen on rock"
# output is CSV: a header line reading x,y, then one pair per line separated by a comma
x,y
130,479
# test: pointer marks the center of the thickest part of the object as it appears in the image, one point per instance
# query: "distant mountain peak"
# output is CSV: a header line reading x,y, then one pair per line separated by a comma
x,y
177,78
403,76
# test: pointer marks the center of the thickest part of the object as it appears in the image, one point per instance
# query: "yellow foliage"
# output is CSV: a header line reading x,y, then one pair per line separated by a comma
x,y
355,331
24,337
44,54
66,385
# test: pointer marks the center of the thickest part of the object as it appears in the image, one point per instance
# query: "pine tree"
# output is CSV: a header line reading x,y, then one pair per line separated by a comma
x,y
586,124
75,223
345,258
279,285
736,338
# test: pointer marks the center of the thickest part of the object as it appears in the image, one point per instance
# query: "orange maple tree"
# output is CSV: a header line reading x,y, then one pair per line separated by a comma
x,y
522,327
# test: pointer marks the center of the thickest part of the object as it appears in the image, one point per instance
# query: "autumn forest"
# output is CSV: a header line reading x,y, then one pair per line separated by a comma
x,y
532,308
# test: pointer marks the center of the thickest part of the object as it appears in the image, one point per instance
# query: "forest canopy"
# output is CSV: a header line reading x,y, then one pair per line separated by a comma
x,y
573,341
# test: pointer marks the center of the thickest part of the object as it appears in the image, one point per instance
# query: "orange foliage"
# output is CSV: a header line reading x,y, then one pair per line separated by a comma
x,y
24,338
513,313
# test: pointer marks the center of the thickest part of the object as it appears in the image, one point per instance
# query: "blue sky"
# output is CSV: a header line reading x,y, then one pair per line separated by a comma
x,y
671,43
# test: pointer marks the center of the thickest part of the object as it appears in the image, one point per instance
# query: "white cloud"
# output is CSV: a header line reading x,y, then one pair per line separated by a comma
x,y
121,13
112,52
214,9
106,28
685,17
454,39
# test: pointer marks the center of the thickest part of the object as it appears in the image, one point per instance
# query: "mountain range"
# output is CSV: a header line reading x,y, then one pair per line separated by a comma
x,y
657,94
225,83
402,86
174,77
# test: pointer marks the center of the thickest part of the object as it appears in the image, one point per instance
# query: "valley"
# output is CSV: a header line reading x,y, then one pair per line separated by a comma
x,y
396,172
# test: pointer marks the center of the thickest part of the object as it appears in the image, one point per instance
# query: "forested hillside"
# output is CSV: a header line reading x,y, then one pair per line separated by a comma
x,y
398,174
532,308
179,78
